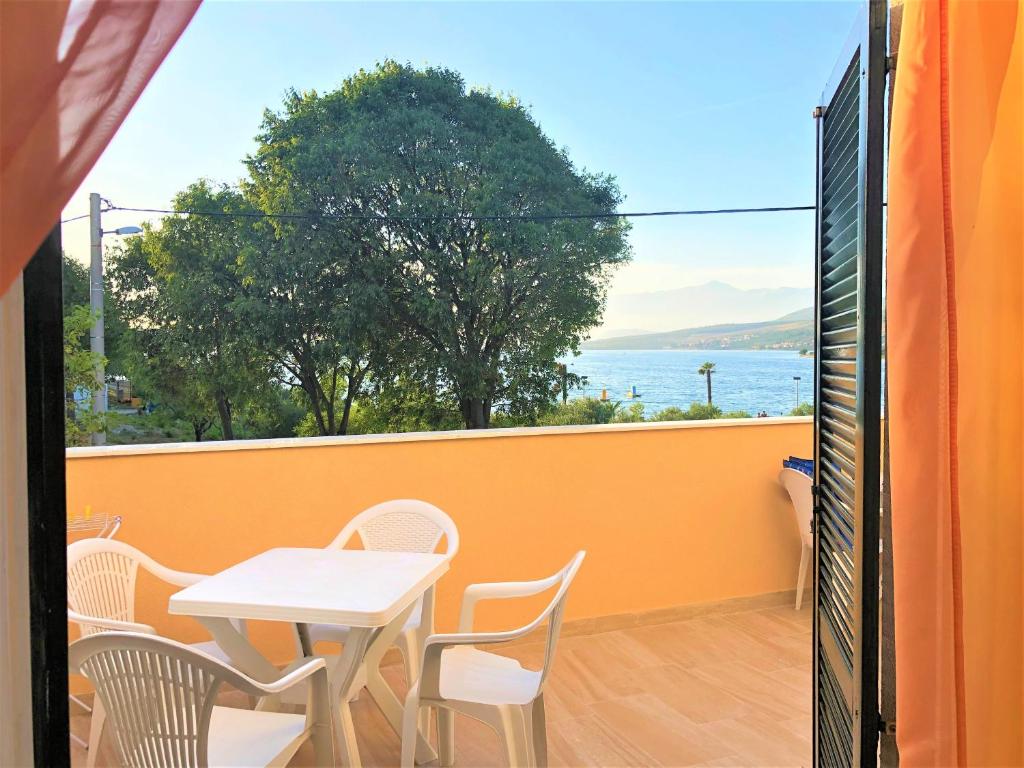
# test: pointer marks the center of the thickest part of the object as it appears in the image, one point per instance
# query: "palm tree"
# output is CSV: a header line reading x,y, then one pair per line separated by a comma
x,y
706,370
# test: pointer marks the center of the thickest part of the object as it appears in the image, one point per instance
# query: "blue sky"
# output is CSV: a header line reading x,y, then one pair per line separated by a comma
x,y
688,104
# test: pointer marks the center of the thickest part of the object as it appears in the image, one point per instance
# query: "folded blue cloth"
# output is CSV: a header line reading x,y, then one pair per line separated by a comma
x,y
800,465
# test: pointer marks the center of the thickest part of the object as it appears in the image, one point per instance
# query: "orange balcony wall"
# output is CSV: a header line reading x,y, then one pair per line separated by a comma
x,y
671,514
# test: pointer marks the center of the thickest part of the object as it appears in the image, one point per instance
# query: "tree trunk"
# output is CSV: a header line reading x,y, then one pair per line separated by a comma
x,y
709,387
313,393
355,383
199,428
329,403
346,411
475,412
224,411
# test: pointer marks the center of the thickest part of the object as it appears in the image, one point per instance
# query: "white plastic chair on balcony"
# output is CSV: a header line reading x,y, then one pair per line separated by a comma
x,y
161,694
798,486
400,525
101,598
497,690
101,526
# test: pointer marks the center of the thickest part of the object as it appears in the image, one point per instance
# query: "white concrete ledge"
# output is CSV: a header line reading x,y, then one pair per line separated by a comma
x,y
408,437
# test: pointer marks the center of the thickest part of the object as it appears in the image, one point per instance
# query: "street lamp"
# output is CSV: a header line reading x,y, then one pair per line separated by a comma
x,y
796,381
122,231
96,345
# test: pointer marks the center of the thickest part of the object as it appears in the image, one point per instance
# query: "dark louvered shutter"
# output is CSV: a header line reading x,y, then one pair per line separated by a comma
x,y
848,387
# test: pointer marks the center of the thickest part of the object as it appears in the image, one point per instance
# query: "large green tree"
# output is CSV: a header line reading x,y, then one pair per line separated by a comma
x,y
434,204
178,286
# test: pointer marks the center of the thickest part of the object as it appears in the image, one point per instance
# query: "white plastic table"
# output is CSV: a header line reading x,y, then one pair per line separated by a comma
x,y
371,592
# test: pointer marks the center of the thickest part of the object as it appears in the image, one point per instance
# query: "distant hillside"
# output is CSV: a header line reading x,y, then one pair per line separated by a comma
x,y
792,331
636,314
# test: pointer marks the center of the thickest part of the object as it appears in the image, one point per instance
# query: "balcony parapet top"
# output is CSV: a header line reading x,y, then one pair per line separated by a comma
x,y
109,451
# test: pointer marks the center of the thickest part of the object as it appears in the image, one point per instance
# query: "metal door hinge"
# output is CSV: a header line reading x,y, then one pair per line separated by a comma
x,y
890,63
818,112
888,727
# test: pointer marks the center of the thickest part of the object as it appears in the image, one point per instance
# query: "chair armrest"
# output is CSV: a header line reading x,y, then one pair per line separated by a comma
x,y
499,591
430,675
177,578
110,625
280,685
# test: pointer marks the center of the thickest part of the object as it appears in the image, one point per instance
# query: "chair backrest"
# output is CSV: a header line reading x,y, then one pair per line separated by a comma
x,y
158,695
554,611
798,486
101,580
401,525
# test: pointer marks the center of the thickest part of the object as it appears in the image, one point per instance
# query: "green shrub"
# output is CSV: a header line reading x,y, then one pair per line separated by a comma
x,y
630,415
672,413
583,410
696,412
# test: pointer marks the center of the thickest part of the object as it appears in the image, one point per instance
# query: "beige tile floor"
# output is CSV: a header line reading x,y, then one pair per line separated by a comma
x,y
720,690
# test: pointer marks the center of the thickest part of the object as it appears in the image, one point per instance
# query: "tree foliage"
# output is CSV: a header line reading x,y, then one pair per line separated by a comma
x,y
178,286
423,283
115,333
80,387
427,174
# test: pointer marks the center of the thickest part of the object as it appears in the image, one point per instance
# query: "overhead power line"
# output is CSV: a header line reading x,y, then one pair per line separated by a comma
x,y
75,218
456,217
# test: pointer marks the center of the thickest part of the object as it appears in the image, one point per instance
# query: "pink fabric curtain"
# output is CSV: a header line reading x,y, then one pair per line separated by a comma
x,y
69,74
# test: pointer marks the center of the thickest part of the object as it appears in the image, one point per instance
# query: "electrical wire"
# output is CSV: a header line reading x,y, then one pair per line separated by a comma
x,y
464,217
473,217
75,218
449,217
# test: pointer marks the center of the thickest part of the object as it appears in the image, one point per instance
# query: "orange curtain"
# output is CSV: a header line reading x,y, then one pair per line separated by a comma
x,y
955,345
69,74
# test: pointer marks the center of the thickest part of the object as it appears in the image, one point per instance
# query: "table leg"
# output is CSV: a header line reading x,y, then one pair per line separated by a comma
x,y
346,670
244,656
305,644
240,650
383,694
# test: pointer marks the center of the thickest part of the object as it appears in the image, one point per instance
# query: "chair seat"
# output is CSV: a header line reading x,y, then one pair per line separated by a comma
x,y
336,633
242,737
486,678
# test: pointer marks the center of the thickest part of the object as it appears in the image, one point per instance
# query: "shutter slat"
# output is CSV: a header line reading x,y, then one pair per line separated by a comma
x,y
843,268
836,256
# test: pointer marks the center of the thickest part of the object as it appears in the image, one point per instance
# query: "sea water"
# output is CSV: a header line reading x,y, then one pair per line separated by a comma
x,y
743,380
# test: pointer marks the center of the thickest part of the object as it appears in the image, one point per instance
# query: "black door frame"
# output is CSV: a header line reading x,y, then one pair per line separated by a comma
x,y
47,502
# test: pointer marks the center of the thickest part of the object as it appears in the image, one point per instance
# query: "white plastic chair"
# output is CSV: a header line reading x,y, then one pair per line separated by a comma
x,y
497,690
161,694
101,598
400,525
102,527
798,486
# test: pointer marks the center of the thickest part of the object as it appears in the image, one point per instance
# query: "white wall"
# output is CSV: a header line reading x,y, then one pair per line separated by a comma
x,y
15,660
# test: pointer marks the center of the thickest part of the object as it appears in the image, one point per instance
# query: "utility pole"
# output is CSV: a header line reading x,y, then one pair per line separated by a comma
x,y
99,400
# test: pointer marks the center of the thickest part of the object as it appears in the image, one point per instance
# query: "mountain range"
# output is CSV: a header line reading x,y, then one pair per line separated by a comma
x,y
791,331
712,303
